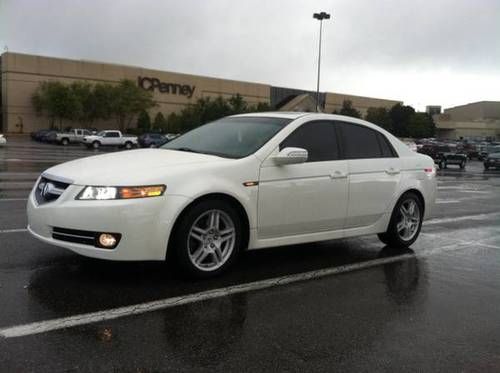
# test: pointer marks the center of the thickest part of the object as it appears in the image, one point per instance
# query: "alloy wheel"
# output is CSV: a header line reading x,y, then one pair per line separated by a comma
x,y
211,240
408,219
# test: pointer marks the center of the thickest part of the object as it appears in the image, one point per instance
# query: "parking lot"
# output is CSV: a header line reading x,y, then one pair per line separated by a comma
x,y
332,306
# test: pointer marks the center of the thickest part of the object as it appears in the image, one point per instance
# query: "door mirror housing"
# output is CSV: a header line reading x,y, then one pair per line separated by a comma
x,y
291,156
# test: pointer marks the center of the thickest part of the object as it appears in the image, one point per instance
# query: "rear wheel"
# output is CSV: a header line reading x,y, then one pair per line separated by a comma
x,y
406,222
462,165
65,142
207,239
441,164
128,145
486,167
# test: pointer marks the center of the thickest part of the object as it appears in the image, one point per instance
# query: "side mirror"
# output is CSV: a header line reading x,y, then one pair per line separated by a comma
x,y
291,156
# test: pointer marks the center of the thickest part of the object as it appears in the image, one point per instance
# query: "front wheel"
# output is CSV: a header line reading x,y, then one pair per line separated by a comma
x,y
462,165
208,238
441,164
65,142
128,145
406,222
96,144
486,167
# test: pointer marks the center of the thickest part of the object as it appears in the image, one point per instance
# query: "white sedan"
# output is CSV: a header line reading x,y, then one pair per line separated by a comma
x,y
242,182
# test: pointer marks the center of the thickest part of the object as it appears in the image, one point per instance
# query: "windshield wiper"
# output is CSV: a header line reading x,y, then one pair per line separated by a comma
x,y
185,149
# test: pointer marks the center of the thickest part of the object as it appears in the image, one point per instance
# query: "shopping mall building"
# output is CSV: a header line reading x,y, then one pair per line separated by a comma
x,y
21,74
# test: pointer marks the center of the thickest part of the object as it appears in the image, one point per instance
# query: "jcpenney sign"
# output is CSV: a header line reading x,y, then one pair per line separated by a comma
x,y
150,84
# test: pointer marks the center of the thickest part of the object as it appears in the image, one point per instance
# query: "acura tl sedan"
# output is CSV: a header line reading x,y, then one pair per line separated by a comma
x,y
242,182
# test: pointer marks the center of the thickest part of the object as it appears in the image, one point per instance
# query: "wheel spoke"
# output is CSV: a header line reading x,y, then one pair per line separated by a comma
x,y
400,226
196,236
198,230
218,254
201,257
214,220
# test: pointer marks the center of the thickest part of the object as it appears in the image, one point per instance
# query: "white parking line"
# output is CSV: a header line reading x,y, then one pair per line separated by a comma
x,y
442,201
462,218
17,230
141,308
12,199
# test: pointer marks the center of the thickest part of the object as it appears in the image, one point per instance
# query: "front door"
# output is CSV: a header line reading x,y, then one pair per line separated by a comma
x,y
308,197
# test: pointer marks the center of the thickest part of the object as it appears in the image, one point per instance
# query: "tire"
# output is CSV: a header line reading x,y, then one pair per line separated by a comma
x,y
404,237
486,167
96,144
445,164
462,165
65,142
441,164
207,255
128,145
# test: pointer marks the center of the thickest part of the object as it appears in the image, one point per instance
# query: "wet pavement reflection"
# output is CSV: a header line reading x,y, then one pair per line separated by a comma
x,y
435,307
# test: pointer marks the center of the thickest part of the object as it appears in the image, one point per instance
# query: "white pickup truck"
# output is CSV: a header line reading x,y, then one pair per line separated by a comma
x,y
74,136
110,138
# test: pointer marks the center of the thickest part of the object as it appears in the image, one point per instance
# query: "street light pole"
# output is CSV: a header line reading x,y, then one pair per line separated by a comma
x,y
319,16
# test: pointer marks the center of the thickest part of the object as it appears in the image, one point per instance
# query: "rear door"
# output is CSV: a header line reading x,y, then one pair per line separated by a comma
x,y
374,173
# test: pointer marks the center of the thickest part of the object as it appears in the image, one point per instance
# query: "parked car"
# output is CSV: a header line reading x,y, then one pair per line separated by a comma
x,y
443,155
74,136
110,138
49,136
489,149
37,135
242,182
151,140
492,161
411,145
3,140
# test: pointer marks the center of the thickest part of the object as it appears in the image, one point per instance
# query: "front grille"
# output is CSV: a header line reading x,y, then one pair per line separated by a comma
x,y
78,236
49,190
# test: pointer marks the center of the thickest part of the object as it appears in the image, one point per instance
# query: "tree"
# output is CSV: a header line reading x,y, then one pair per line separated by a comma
x,y
421,125
129,100
379,116
57,101
160,123
83,92
144,121
400,117
348,110
101,101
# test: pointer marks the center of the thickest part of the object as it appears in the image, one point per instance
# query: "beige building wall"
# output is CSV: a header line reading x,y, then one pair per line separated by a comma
x,y
21,75
475,120
468,129
334,102
474,111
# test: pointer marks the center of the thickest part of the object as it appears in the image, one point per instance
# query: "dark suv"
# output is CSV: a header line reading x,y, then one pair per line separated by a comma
x,y
443,155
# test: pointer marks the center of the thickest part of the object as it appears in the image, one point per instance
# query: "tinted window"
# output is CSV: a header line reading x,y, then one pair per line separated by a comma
x,y
112,134
318,138
359,141
385,146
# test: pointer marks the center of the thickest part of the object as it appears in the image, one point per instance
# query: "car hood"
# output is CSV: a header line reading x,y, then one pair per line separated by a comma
x,y
133,167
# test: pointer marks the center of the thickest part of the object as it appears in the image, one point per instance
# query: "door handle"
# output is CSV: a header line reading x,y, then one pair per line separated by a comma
x,y
392,171
338,175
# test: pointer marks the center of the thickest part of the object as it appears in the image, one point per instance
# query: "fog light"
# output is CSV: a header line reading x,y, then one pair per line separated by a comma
x,y
107,240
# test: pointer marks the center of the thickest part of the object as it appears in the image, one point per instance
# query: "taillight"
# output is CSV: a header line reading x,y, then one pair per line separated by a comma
x,y
430,171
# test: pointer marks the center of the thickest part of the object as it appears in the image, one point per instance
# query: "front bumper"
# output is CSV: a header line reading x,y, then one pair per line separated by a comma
x,y
144,223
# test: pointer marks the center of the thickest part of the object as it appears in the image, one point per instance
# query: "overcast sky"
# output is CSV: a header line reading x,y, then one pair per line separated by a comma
x,y
444,52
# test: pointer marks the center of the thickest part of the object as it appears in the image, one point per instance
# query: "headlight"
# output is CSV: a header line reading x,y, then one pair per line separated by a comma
x,y
106,193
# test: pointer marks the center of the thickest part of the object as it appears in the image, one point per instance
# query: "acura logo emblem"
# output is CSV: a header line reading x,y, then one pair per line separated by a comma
x,y
47,188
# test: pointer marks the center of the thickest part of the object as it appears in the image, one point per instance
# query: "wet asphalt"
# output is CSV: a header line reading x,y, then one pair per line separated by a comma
x,y
435,307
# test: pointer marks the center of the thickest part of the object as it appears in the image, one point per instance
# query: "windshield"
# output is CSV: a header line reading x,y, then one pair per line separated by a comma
x,y
233,137
101,133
